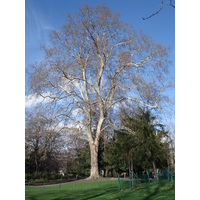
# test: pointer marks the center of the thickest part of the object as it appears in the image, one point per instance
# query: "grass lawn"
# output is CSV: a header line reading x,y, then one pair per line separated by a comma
x,y
103,189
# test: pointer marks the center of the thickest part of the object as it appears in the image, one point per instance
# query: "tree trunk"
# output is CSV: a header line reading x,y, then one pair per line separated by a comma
x,y
36,148
106,173
111,173
114,173
154,169
94,171
94,148
132,170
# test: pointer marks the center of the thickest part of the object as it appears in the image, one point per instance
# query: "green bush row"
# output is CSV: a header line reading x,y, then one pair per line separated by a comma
x,y
44,175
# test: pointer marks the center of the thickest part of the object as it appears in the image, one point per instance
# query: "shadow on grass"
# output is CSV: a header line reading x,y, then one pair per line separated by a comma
x,y
149,191
88,194
150,195
31,198
95,193
105,191
163,189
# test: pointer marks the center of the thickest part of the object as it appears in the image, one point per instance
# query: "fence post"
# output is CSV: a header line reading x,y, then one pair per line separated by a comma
x,y
159,179
148,177
168,173
172,178
28,185
118,183
136,178
130,181
132,178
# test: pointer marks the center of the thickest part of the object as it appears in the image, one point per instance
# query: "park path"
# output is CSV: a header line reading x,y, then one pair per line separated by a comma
x,y
76,181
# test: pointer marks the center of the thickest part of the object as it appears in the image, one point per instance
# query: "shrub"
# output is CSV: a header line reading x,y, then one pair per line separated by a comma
x,y
37,175
28,176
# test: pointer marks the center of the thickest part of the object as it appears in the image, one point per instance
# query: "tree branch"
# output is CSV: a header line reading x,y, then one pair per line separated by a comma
x,y
144,18
171,4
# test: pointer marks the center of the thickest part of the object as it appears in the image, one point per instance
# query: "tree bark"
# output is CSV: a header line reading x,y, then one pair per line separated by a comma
x,y
94,171
94,148
132,170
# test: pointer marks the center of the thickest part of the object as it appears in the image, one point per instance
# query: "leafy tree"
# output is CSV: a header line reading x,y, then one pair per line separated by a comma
x,y
139,144
82,160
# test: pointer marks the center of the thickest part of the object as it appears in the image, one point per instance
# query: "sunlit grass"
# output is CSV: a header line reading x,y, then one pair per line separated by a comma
x,y
83,190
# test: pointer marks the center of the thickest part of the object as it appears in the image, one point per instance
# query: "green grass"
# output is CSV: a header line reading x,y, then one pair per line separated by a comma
x,y
105,190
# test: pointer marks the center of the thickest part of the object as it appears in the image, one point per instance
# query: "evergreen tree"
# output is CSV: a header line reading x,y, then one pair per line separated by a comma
x,y
141,143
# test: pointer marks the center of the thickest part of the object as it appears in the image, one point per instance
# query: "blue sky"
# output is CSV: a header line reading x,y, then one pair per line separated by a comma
x,y
43,16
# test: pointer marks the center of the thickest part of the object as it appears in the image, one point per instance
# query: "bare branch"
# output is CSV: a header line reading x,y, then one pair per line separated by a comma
x,y
171,4
144,18
128,130
82,138
73,96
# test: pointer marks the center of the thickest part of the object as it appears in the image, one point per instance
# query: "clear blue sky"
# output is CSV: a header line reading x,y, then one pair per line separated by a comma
x,y
42,16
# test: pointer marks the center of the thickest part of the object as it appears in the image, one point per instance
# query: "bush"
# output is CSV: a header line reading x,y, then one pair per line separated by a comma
x,y
44,176
55,176
37,175
28,176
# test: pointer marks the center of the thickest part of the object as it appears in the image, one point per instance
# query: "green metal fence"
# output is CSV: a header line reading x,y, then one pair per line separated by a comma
x,y
144,180
130,182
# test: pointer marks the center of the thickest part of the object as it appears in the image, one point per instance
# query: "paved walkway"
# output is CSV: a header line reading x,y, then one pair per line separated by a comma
x,y
77,181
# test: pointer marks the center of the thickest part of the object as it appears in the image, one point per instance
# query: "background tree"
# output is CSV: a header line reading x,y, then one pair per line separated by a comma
x,y
140,145
45,145
93,63
81,161
151,138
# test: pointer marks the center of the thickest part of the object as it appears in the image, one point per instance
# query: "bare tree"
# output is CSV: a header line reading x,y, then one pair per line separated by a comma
x,y
44,141
94,64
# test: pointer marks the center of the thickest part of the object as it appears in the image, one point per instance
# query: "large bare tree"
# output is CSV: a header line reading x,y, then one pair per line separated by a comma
x,y
94,64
